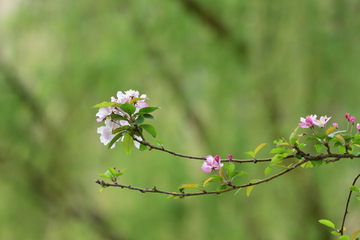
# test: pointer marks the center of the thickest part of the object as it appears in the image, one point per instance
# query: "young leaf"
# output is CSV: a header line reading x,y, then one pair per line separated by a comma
x,y
128,143
280,150
258,148
330,130
101,189
321,135
267,171
251,154
327,223
120,173
106,104
358,197
128,108
112,171
248,190
189,185
150,129
335,233
104,175
354,234
159,142
293,141
207,181
345,237
278,158
354,188
294,133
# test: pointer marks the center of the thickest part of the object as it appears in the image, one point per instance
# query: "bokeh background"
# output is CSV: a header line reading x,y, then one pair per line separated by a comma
x,y
228,75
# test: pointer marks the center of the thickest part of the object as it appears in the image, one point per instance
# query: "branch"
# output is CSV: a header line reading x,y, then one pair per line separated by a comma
x,y
183,194
347,206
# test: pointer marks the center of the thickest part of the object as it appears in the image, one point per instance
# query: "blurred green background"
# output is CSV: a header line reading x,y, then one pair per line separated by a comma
x,y
228,75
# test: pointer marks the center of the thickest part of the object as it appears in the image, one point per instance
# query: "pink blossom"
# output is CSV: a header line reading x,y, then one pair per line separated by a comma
x,y
322,121
211,163
336,125
347,116
358,127
308,122
230,157
352,120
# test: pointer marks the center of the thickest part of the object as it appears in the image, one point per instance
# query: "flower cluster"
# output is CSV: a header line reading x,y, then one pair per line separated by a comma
x,y
212,163
108,132
311,121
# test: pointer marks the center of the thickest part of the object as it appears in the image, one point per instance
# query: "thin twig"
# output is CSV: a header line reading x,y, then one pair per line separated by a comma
x,y
347,206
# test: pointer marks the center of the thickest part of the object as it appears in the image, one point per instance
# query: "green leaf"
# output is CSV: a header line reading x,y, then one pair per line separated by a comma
x,y
104,175
293,140
337,144
106,104
316,163
345,237
251,154
358,197
259,147
327,223
278,158
229,166
321,135
267,171
342,149
335,233
159,142
101,189
118,117
112,171
143,147
149,116
319,146
280,150
354,188
310,139
248,190
189,185
128,108
139,120
146,110
128,143
337,132
115,139
221,187
150,129
294,134
214,178
120,173
237,174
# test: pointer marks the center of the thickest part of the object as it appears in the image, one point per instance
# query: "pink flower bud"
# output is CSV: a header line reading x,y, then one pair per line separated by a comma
x,y
118,170
230,157
358,127
347,116
217,158
352,120
336,125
